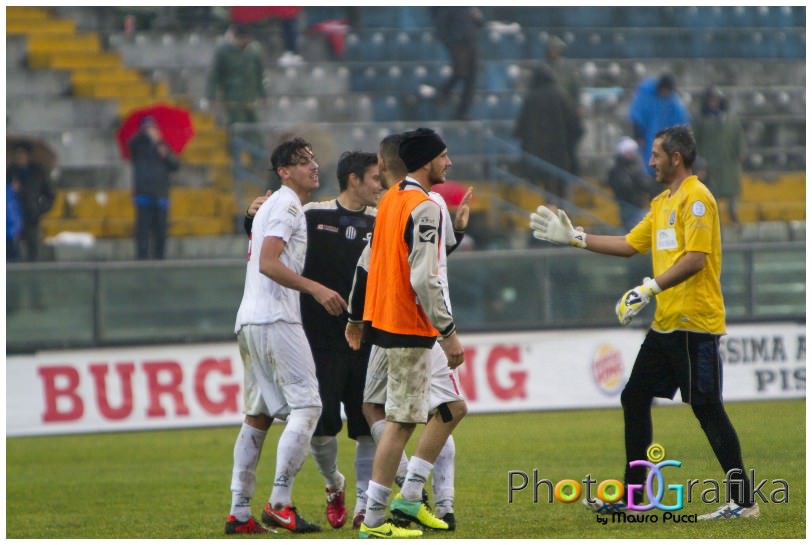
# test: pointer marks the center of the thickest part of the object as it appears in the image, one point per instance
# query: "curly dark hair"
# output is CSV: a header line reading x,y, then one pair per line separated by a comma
x,y
679,139
288,153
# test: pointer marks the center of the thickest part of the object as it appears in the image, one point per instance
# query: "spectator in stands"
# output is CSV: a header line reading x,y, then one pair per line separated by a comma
x,y
457,28
14,221
153,161
654,107
36,196
547,127
567,80
288,17
720,140
630,182
236,76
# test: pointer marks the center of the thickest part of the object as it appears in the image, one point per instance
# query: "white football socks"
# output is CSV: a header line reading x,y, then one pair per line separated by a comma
x,y
247,449
377,498
442,482
325,454
416,476
291,452
364,454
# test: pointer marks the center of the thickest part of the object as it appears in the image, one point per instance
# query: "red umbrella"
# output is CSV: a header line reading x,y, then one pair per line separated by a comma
x,y
175,124
452,192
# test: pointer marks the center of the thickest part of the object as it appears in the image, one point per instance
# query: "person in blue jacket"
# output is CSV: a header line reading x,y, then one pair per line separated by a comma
x,y
654,107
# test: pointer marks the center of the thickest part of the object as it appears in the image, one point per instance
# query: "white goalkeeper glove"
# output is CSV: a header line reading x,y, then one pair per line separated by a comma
x,y
635,300
555,228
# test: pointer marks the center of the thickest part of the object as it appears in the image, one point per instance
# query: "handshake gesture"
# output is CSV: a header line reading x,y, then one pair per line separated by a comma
x,y
556,228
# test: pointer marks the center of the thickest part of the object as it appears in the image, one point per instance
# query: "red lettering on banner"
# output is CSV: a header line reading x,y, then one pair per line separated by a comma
x,y
518,378
466,374
172,387
125,372
228,402
53,393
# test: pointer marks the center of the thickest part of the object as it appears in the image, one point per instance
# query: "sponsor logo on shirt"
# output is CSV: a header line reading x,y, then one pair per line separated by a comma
x,y
293,210
323,227
672,219
698,209
427,233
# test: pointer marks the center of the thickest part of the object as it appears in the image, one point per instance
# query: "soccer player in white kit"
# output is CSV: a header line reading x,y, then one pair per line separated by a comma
x,y
444,381
280,377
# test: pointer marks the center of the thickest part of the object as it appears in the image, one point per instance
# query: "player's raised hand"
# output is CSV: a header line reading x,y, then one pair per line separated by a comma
x,y
331,300
463,212
252,209
633,301
556,228
353,333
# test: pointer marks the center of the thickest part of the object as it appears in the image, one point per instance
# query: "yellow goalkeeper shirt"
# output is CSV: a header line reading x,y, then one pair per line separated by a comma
x,y
685,221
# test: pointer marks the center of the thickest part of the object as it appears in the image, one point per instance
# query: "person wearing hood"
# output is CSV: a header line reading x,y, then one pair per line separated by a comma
x,y
654,107
720,140
236,77
630,182
548,126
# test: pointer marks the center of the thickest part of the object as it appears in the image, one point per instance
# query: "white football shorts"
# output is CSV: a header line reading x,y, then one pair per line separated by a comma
x,y
444,387
279,372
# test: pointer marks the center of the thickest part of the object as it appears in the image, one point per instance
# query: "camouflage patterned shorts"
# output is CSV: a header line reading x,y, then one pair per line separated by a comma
x,y
405,373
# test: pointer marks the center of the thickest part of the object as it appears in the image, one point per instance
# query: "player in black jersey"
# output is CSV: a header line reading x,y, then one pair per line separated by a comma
x,y
337,232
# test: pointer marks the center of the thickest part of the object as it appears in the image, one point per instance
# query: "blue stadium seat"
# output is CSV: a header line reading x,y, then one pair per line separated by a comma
x,y
502,45
386,108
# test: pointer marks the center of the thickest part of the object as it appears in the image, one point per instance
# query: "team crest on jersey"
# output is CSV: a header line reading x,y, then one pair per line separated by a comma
x,y
427,233
672,219
350,233
323,227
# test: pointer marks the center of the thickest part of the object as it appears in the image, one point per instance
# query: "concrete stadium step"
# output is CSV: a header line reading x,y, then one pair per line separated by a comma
x,y
313,79
115,90
159,49
42,47
225,246
82,61
38,27
82,147
85,81
15,52
41,83
43,113
101,177
110,213
20,13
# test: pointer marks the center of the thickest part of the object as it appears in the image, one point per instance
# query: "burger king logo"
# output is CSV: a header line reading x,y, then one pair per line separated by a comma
x,y
607,369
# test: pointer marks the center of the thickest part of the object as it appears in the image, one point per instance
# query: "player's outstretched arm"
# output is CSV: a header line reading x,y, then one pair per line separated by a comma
x,y
556,227
271,266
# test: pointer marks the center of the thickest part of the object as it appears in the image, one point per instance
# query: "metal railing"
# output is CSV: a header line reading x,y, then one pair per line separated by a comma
x,y
54,306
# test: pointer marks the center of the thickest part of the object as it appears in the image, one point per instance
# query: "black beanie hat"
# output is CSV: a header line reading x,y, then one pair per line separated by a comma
x,y
419,147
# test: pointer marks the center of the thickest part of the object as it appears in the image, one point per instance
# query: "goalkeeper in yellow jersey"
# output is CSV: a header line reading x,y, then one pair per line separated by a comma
x,y
681,350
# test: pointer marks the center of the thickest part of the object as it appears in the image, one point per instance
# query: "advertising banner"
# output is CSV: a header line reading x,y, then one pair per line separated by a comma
x,y
117,389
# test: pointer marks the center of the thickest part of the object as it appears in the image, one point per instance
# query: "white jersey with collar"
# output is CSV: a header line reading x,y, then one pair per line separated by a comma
x,y
264,301
447,239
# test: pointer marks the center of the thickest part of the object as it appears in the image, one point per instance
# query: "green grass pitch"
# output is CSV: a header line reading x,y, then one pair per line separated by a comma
x,y
175,484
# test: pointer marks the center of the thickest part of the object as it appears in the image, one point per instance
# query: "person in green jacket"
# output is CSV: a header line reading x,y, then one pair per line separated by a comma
x,y
720,140
236,76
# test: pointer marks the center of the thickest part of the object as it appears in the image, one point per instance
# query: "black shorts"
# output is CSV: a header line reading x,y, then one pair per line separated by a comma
x,y
680,359
342,375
